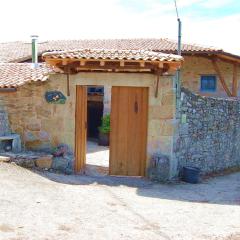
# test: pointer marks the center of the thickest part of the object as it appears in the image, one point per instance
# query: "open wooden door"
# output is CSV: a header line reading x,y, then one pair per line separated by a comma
x,y
80,128
128,137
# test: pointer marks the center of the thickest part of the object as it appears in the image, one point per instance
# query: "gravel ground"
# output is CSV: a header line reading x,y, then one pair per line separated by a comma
x,y
35,205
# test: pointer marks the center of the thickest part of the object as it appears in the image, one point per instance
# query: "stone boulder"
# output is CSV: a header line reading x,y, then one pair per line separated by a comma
x,y
159,168
25,162
44,162
63,164
62,150
5,159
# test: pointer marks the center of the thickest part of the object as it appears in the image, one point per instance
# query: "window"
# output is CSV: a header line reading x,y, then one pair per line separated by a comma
x,y
208,83
95,90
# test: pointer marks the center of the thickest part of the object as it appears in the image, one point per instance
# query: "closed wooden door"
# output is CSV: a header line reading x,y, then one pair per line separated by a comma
x,y
80,128
128,137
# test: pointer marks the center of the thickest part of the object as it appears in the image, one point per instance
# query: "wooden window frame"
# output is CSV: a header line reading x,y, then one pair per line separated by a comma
x,y
208,90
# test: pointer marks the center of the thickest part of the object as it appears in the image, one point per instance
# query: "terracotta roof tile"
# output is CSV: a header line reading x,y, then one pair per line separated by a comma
x,y
112,54
20,51
17,74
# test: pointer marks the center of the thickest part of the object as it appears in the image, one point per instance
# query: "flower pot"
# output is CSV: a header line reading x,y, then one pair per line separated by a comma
x,y
103,139
191,174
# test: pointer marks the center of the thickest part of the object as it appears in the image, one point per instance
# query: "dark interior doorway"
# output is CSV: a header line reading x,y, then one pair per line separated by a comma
x,y
94,110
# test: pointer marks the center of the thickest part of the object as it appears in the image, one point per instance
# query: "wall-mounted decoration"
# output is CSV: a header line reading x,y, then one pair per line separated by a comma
x,y
56,97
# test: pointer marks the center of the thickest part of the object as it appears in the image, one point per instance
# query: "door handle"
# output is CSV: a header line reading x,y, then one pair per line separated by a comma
x,y
136,107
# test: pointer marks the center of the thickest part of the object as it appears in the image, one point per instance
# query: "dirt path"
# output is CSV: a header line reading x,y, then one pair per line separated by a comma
x,y
50,206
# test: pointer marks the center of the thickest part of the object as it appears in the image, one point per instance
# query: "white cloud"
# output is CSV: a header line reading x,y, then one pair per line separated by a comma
x,y
219,32
216,3
72,19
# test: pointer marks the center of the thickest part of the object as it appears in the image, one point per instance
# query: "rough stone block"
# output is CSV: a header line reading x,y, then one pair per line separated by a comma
x,y
43,113
159,168
44,161
167,128
36,126
5,159
162,112
30,136
168,99
60,164
25,162
44,136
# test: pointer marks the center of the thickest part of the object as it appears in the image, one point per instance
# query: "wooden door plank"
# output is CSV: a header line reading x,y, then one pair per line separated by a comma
x,y
80,128
118,141
143,130
134,128
128,136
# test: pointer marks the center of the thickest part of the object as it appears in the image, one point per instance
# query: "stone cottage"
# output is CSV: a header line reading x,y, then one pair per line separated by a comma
x,y
139,87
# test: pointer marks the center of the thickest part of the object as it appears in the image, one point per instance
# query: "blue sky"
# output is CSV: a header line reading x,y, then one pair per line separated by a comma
x,y
201,8
212,9
206,22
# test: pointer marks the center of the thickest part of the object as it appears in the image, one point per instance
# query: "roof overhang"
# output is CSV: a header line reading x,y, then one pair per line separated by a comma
x,y
14,75
93,60
225,56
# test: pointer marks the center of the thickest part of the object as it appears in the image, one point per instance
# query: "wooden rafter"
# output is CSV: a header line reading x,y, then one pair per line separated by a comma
x,y
79,65
221,77
8,90
158,73
67,71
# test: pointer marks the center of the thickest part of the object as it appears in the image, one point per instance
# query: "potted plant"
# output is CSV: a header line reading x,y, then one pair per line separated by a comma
x,y
104,131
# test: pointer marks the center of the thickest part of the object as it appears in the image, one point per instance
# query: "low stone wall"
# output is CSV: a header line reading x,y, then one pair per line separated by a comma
x,y
209,133
4,125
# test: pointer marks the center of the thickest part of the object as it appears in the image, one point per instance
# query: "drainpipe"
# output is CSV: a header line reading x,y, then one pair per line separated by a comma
x,y
178,79
175,161
34,51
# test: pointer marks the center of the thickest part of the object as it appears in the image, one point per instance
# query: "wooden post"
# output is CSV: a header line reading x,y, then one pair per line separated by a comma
x,y
157,84
68,85
67,72
222,80
235,81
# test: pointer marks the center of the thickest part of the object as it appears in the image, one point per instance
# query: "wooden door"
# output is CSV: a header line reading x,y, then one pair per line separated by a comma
x,y
128,137
80,128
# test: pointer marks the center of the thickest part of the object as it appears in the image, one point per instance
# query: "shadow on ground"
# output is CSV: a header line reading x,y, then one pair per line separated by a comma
x,y
218,190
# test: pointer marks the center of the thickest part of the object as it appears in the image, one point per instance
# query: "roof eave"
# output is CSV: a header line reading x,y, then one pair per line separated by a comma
x,y
221,54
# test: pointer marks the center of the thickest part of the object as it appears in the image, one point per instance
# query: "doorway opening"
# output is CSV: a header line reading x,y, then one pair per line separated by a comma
x,y
129,121
97,157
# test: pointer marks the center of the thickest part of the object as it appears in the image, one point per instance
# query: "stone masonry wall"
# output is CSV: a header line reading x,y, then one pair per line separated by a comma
x,y
192,69
4,125
45,125
209,133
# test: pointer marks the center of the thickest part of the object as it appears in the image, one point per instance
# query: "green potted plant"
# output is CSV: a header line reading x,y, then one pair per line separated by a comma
x,y
104,131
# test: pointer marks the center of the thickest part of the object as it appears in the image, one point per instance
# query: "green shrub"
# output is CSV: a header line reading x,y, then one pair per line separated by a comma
x,y
105,125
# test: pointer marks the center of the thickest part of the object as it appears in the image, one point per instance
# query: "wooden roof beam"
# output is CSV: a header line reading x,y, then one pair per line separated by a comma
x,y
140,66
82,63
102,63
222,79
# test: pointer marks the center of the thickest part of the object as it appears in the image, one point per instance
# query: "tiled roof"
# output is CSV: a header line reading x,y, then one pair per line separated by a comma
x,y
17,74
159,45
111,54
20,51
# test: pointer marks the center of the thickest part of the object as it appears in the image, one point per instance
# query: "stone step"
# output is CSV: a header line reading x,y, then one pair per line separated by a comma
x,y
5,159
